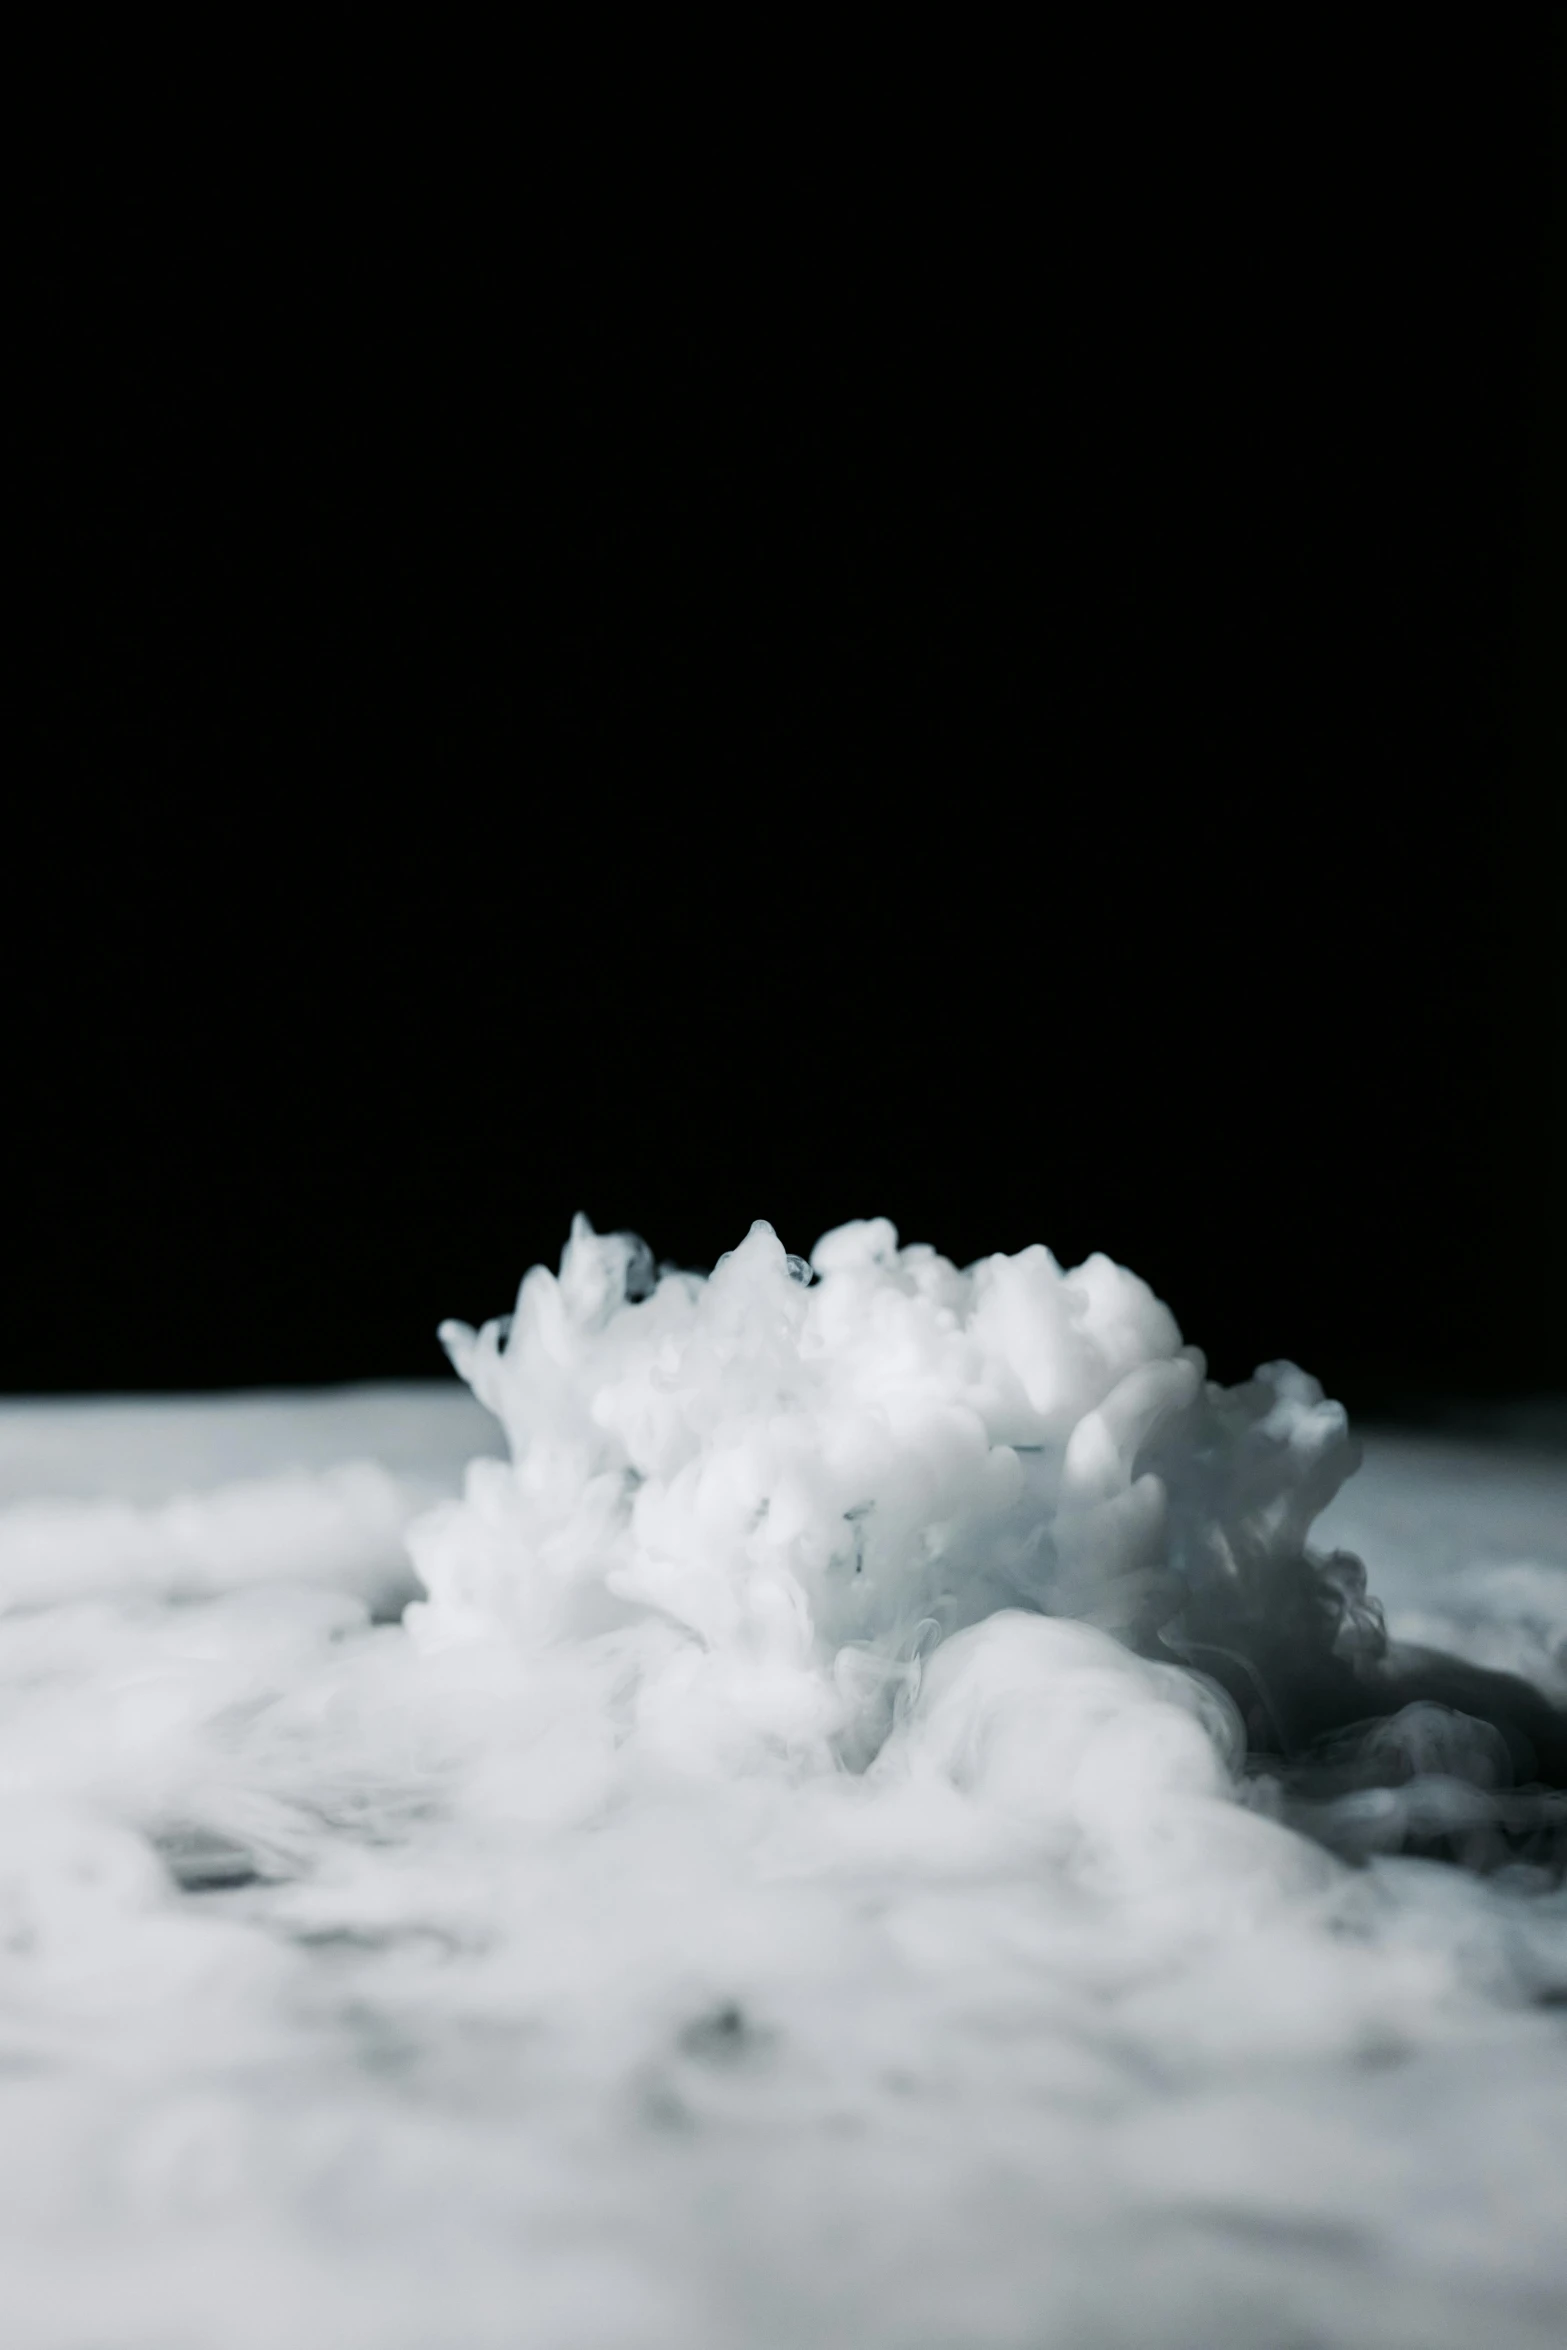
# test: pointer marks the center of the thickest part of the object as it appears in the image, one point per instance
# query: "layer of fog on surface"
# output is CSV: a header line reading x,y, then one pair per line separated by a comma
x,y
889,1817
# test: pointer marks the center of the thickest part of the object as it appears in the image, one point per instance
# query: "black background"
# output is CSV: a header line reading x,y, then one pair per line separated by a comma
x,y
995,669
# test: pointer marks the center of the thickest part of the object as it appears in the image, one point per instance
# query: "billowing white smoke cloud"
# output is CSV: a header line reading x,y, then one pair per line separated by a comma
x,y
766,1496
814,1866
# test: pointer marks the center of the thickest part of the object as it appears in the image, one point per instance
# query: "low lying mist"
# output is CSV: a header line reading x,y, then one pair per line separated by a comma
x,y
887,1809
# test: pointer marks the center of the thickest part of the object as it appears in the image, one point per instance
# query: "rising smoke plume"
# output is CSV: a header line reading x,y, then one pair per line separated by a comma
x,y
771,1494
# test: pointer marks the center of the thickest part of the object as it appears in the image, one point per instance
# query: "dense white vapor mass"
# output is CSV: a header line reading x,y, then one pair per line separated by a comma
x,y
802,1848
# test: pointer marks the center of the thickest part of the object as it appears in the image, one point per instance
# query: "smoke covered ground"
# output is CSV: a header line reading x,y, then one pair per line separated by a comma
x,y
893,1822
